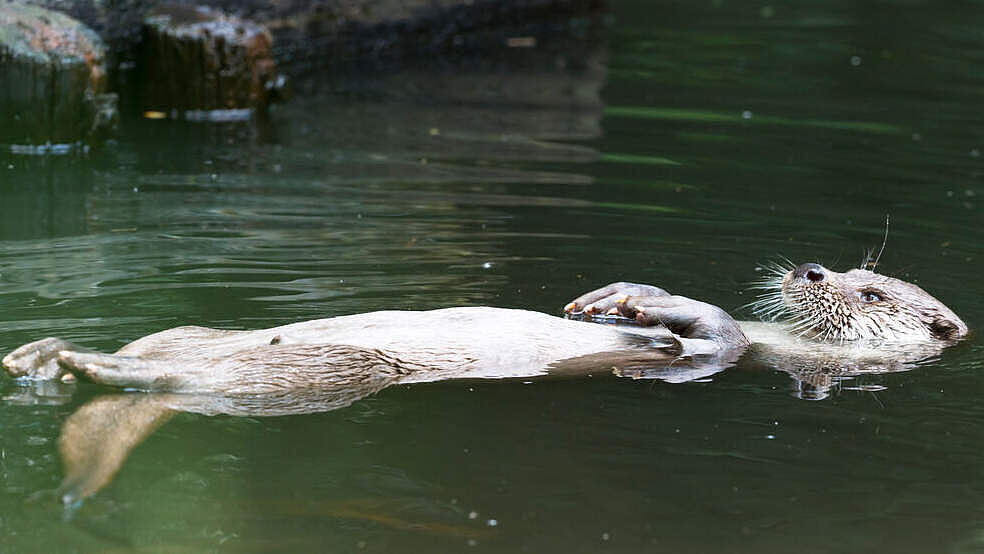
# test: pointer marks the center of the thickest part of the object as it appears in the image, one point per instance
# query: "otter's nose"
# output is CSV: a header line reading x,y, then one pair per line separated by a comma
x,y
811,272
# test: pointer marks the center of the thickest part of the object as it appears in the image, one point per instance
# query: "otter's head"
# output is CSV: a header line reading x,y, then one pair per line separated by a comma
x,y
861,305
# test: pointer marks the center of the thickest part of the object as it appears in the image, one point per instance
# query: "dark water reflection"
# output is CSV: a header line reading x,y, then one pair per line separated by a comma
x,y
684,147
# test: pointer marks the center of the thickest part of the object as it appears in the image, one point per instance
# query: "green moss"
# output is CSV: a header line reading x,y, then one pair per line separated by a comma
x,y
635,159
709,116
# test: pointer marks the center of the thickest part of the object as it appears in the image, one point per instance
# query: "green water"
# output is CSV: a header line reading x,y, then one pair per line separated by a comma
x,y
682,145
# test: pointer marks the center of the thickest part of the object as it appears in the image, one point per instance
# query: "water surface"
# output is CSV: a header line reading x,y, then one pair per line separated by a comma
x,y
682,145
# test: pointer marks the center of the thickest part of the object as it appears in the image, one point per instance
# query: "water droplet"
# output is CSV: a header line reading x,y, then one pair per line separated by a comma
x,y
855,61
747,114
492,522
487,265
472,514
605,536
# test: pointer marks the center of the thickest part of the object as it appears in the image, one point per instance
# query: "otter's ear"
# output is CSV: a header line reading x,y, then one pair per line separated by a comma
x,y
944,329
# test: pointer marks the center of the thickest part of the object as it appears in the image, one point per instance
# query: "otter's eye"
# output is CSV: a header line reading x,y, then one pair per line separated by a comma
x,y
870,296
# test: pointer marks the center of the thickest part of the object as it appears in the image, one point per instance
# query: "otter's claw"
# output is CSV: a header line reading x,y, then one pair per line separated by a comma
x,y
606,298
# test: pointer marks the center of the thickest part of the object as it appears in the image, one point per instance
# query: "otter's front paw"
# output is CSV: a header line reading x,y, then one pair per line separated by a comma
x,y
685,317
710,326
606,299
38,359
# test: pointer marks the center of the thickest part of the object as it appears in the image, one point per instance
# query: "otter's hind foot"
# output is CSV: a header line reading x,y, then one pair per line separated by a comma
x,y
117,371
38,359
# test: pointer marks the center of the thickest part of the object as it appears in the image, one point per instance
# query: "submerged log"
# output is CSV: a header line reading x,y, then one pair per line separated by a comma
x,y
52,76
200,59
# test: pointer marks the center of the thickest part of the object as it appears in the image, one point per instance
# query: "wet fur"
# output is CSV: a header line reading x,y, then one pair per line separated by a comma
x,y
834,309
363,352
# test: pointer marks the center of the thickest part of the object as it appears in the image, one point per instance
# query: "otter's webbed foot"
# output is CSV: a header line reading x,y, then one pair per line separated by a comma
x,y
119,371
708,327
39,359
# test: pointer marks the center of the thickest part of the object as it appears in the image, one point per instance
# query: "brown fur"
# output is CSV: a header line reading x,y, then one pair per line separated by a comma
x,y
862,305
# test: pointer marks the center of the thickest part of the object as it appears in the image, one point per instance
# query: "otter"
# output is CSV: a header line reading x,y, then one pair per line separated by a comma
x,y
853,321
821,326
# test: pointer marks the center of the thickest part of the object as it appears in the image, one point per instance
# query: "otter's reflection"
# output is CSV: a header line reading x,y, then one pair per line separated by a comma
x,y
819,373
97,438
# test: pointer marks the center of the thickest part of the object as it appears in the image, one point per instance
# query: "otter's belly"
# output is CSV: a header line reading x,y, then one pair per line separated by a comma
x,y
465,342
439,344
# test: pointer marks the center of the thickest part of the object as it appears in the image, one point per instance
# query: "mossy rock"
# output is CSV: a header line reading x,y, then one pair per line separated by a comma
x,y
52,76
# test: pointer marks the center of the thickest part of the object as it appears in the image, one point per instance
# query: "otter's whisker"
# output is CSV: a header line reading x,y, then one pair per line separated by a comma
x,y
768,298
866,258
771,313
788,263
768,309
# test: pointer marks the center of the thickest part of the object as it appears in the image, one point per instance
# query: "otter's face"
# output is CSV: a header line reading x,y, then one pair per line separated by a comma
x,y
860,305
